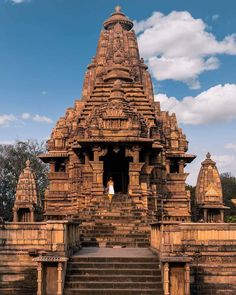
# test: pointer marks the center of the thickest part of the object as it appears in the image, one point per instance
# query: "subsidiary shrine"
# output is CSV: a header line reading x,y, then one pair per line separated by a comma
x,y
145,238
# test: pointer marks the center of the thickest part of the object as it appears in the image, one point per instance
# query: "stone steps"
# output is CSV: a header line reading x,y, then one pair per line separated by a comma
x,y
117,278
113,271
113,265
18,279
113,292
17,291
119,223
213,289
113,285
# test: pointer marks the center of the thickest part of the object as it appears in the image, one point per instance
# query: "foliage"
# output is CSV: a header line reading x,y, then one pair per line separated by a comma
x,y
12,162
229,192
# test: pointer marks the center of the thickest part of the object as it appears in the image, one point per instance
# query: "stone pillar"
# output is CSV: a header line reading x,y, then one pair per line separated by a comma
x,y
32,219
221,215
166,279
52,166
181,166
40,279
15,215
97,167
133,152
134,174
205,215
187,279
86,158
147,170
167,166
59,280
135,168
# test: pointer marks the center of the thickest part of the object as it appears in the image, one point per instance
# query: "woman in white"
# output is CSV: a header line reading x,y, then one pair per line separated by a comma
x,y
110,185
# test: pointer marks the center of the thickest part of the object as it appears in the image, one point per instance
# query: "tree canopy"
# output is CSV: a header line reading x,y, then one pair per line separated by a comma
x,y
229,192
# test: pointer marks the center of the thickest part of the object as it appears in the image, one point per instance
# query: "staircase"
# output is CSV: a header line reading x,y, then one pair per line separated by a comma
x,y
104,271
119,223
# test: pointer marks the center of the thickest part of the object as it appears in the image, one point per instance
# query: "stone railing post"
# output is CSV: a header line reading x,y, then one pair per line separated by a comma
x,y
59,281
187,279
39,279
166,279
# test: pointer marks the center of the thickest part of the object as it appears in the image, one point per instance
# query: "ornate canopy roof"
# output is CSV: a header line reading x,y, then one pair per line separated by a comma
x,y
118,17
208,189
26,191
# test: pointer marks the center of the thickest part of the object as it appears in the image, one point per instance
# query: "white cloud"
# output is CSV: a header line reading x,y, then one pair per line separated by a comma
x,y
226,163
215,17
25,116
178,47
231,146
42,119
6,119
182,68
217,104
6,142
19,1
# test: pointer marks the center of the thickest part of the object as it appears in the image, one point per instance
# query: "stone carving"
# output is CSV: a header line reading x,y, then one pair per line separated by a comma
x,y
117,116
209,197
27,203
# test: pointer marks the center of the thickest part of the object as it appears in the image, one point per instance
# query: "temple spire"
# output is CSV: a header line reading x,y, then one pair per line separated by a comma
x,y
209,196
27,199
118,8
118,17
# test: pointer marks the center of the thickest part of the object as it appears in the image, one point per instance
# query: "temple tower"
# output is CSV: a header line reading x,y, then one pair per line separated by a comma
x,y
117,130
209,197
27,206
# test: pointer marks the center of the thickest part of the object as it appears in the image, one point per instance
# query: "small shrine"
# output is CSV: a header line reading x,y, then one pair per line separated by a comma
x,y
209,197
27,206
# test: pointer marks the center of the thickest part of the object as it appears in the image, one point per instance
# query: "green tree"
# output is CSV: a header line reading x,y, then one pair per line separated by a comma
x,y
229,192
12,162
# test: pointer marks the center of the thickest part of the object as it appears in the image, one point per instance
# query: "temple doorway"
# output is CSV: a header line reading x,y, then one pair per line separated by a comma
x,y
116,165
24,215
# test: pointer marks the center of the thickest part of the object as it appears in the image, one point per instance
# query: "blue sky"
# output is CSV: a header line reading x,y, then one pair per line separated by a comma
x,y
45,46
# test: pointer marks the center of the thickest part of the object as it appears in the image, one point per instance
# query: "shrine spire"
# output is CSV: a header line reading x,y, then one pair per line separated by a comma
x,y
118,17
118,8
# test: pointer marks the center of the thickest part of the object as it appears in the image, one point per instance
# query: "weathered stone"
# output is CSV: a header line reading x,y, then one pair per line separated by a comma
x,y
209,197
118,130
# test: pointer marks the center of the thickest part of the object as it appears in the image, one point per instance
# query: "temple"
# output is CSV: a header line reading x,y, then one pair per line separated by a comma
x,y
27,207
117,130
209,198
146,239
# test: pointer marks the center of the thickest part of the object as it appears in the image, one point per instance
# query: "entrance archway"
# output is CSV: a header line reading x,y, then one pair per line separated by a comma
x,y
116,165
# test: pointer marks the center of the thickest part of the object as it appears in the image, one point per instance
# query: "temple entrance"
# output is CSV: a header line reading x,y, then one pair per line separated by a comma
x,y
24,215
116,165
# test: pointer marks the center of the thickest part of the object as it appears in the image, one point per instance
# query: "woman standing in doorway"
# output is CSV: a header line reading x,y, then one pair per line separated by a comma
x,y
110,186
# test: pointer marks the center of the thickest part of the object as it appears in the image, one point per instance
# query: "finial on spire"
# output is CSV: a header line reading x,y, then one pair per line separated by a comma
x,y
27,163
118,8
208,155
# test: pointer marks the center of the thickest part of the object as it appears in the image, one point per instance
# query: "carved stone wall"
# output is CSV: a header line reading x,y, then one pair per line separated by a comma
x,y
117,110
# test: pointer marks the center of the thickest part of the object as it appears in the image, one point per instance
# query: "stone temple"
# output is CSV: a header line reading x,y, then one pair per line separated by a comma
x,y
147,239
